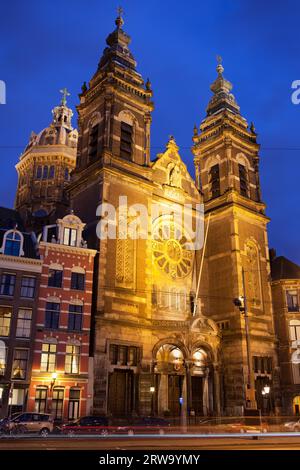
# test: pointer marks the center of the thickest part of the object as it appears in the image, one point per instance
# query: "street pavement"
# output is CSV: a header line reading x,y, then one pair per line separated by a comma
x,y
245,442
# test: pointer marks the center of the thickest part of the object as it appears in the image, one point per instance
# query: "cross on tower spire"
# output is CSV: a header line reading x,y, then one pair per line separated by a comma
x,y
64,93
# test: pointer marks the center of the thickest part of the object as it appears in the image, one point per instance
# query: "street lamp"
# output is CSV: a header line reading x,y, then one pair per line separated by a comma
x,y
265,393
241,303
152,391
53,380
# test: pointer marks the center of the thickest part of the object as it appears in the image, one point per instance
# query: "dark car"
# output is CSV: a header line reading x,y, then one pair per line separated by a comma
x,y
87,425
145,425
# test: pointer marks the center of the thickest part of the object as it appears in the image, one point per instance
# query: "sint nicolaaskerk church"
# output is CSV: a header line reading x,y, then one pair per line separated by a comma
x,y
173,331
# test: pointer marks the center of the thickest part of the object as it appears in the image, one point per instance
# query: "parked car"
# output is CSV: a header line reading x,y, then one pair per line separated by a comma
x,y
292,426
31,422
87,425
144,425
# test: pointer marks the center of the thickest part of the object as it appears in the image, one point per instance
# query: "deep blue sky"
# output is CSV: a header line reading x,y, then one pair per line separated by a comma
x,y
46,45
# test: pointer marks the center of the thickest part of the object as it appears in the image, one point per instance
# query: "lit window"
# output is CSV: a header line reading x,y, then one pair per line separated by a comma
x,y
294,330
19,367
5,320
24,323
48,357
28,287
70,236
57,402
72,359
2,359
40,399
7,286
12,243
74,404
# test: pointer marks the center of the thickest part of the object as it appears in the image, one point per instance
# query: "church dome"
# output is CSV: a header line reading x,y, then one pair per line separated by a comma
x,y
60,131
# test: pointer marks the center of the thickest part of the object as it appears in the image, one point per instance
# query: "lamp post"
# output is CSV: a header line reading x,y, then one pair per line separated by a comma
x,y
152,391
52,383
241,302
266,393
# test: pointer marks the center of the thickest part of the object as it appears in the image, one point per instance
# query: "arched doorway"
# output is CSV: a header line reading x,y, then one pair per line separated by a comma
x,y
296,405
170,379
200,386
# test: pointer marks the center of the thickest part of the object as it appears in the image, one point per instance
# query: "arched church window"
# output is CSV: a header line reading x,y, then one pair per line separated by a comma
x,y
214,180
39,171
13,243
67,174
126,141
45,172
51,172
243,175
93,141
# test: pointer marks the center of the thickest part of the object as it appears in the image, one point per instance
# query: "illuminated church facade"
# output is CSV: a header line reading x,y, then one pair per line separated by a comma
x,y
166,336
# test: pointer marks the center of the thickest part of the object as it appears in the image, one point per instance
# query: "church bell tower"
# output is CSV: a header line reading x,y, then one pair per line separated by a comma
x,y
226,157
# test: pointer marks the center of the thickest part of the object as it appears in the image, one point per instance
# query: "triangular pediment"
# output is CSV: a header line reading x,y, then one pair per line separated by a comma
x,y
170,170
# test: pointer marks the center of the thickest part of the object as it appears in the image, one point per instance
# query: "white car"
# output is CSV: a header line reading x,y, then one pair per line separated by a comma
x,y
292,425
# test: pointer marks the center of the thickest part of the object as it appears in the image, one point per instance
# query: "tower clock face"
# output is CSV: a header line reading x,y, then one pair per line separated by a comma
x,y
170,253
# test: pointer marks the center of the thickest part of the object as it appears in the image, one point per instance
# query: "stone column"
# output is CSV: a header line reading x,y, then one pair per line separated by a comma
x,y
217,404
163,394
205,394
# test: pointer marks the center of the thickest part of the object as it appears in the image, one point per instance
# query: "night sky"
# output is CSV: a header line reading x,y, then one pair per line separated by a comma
x,y
47,45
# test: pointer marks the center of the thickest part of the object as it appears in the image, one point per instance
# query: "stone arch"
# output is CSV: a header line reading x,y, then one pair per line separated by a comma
x,y
171,341
211,161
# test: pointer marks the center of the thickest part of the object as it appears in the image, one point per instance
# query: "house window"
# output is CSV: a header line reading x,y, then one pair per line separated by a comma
x,y
292,300
39,171
214,177
75,317
48,357
74,404
40,399
5,320
45,172
126,141
51,172
262,364
70,236
93,142
55,278
67,174
28,287
294,330
223,325
72,359
2,359
77,281
24,323
243,180
123,355
7,286
52,315
12,243
57,402
19,367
